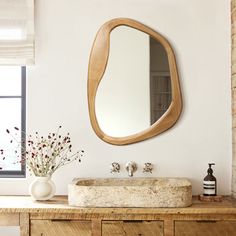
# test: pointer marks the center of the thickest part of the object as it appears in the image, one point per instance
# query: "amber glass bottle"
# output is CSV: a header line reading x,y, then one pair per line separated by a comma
x,y
209,183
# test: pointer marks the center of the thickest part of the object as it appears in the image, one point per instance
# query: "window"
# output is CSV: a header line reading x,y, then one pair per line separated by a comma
x,y
12,114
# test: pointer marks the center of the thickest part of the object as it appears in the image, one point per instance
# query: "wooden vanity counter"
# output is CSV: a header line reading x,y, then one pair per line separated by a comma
x,y
53,217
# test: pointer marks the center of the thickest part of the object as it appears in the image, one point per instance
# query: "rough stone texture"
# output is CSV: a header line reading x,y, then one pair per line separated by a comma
x,y
233,84
132,192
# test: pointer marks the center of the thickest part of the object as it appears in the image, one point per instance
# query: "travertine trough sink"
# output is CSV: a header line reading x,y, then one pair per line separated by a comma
x,y
130,192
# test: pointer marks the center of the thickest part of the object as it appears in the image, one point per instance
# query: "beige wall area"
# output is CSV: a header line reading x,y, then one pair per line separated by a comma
x,y
199,32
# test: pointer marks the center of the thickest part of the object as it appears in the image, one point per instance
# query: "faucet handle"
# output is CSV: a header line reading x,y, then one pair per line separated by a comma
x,y
131,167
148,167
115,167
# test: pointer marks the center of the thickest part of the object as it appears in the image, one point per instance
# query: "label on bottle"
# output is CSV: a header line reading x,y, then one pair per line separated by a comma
x,y
209,187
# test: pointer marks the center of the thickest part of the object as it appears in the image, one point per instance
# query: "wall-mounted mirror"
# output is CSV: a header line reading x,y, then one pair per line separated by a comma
x,y
133,87
135,90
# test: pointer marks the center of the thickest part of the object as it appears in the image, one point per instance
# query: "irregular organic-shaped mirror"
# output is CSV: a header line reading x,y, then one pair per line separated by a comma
x,y
133,85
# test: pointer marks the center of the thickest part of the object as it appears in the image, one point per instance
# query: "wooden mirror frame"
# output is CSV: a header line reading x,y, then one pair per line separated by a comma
x,y
97,66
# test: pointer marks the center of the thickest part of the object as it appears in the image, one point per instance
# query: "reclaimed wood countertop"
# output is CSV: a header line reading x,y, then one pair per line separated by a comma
x,y
59,204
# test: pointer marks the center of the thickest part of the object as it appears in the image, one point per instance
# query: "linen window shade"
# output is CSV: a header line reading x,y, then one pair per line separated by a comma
x,y
16,32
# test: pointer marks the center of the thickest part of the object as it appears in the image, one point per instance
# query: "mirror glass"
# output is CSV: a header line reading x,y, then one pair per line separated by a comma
x,y
135,90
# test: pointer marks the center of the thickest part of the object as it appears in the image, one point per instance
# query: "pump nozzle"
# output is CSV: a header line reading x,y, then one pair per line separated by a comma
x,y
210,171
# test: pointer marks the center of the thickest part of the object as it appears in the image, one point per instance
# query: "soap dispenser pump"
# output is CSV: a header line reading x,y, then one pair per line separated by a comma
x,y
209,182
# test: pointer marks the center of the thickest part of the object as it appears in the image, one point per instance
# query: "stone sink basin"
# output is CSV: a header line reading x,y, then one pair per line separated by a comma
x,y
130,192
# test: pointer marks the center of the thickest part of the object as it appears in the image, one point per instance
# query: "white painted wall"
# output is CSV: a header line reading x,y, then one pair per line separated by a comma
x,y
199,31
123,96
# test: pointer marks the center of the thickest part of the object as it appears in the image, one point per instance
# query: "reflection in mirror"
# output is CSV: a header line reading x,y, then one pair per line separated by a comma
x,y
135,90
160,82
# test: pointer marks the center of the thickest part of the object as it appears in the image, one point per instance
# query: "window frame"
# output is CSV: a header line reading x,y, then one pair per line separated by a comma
x,y
19,173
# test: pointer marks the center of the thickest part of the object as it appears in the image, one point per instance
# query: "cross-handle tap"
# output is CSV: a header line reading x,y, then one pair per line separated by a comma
x,y
115,167
148,167
131,167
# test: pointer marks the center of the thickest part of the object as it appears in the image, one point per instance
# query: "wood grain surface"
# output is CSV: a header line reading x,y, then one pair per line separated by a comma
x,y
59,204
55,217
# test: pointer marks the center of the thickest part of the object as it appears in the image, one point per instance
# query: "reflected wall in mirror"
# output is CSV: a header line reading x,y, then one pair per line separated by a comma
x,y
133,87
135,90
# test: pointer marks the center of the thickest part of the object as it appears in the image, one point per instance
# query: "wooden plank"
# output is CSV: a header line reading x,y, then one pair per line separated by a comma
x,y
205,228
105,215
132,228
137,217
9,219
58,207
63,216
189,217
169,228
60,228
24,224
97,227
58,213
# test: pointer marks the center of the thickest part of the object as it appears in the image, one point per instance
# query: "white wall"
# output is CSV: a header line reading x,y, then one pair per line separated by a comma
x,y
123,96
199,31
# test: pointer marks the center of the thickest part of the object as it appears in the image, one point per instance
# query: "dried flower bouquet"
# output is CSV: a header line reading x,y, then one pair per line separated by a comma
x,y
43,155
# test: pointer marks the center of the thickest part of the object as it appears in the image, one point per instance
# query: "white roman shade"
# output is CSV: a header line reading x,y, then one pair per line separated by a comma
x,y
16,32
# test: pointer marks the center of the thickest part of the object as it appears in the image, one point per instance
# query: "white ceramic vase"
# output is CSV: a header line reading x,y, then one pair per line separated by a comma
x,y
42,188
